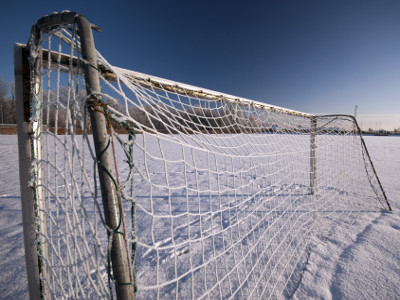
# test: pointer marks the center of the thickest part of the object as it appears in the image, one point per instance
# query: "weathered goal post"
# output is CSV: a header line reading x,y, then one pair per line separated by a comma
x,y
141,187
30,149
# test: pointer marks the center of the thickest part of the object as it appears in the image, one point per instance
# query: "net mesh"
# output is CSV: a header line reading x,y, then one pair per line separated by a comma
x,y
222,197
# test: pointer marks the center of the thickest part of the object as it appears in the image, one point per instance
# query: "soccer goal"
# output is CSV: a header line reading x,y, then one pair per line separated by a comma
x,y
134,186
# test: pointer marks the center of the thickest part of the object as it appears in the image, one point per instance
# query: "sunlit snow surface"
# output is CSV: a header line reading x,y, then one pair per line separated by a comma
x,y
359,259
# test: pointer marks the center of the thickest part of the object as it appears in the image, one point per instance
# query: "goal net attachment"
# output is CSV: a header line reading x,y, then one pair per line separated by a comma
x,y
133,186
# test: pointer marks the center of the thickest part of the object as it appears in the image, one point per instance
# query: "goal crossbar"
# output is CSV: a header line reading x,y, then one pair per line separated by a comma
x,y
147,80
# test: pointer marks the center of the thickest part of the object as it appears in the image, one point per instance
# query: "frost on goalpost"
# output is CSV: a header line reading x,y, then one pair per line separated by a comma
x,y
222,197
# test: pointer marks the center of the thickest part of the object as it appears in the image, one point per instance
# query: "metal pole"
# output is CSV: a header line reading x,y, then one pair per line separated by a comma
x,y
313,147
22,93
119,255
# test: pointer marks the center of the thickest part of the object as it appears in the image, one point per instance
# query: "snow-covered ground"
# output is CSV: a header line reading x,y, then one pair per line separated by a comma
x,y
12,264
361,259
358,260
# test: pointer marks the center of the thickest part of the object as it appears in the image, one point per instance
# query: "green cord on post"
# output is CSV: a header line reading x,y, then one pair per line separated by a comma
x,y
131,136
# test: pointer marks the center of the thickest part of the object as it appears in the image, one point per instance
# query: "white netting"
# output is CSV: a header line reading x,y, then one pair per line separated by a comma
x,y
218,192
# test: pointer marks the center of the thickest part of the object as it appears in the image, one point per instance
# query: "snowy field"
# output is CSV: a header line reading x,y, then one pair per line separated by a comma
x,y
358,260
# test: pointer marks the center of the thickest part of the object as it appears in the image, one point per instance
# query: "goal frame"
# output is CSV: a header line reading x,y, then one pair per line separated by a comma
x,y
25,85
30,193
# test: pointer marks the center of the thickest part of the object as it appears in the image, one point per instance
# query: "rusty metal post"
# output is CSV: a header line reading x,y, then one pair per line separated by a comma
x,y
313,160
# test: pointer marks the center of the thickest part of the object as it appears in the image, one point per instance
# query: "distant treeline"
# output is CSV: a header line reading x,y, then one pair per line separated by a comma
x,y
228,118
161,117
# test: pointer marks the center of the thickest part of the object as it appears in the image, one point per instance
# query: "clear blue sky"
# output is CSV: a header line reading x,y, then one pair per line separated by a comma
x,y
314,56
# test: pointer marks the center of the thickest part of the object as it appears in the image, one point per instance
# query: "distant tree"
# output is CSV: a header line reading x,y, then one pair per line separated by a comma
x,y
3,89
7,103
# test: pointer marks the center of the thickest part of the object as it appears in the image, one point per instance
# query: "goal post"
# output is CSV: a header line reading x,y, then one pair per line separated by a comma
x,y
30,149
119,255
313,147
22,90
141,187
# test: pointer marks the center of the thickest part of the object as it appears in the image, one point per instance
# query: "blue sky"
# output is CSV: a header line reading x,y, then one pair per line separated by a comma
x,y
313,56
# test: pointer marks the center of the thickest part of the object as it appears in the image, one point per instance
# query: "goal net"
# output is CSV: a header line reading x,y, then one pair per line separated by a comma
x,y
217,196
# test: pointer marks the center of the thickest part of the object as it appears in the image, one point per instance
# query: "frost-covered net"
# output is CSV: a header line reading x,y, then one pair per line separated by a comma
x,y
222,196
